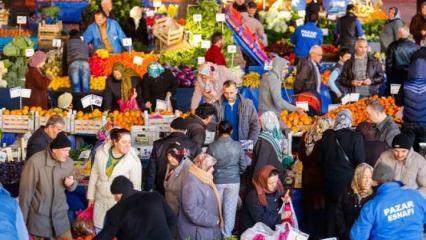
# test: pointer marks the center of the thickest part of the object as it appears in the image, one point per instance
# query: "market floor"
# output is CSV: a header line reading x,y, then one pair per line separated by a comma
x,y
407,8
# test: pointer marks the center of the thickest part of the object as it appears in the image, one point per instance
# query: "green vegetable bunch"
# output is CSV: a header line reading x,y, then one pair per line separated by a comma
x,y
186,57
372,30
16,62
52,11
120,9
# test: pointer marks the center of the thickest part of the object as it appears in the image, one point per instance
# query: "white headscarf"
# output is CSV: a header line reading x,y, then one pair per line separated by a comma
x,y
136,15
343,120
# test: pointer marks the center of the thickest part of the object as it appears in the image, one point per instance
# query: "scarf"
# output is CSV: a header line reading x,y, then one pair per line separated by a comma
x,y
126,79
396,14
208,180
343,120
155,70
315,133
260,182
356,181
134,14
271,132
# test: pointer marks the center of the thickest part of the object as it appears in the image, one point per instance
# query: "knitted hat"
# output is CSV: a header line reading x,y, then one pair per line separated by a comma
x,y
383,173
37,59
122,185
402,141
61,141
178,124
65,100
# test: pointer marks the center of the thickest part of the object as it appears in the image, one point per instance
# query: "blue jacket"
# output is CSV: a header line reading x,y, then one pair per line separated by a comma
x,y
12,226
305,37
92,36
393,214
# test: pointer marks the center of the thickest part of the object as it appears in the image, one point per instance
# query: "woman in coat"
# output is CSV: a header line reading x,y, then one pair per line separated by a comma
x,y
119,87
418,24
37,81
114,158
389,32
200,215
341,150
351,202
373,146
135,27
158,83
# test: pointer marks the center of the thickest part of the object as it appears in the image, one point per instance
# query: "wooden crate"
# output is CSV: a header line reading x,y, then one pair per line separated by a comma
x,y
162,122
167,32
90,127
48,32
17,123
41,121
4,16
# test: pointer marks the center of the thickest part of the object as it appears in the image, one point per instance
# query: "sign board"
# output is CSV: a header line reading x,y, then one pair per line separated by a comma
x,y
137,60
395,88
20,92
86,101
97,100
29,52
157,4
299,22
201,60
56,43
232,49
197,17
303,105
220,17
324,31
127,42
21,20
160,105
196,38
205,44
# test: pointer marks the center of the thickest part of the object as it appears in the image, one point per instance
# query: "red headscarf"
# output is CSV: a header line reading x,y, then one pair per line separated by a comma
x,y
260,181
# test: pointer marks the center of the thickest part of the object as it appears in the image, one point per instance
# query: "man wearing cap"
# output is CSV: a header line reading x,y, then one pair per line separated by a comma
x,y
409,166
393,213
45,177
157,165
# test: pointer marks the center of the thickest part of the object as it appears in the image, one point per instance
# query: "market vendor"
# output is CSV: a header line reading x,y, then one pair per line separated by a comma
x,y
119,86
306,36
37,81
104,33
135,27
214,53
158,84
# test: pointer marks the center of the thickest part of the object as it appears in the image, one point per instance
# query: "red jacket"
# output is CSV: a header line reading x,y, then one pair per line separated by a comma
x,y
38,83
214,55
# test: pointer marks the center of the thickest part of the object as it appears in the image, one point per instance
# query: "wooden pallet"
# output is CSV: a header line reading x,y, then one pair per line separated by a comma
x,y
48,32
167,32
4,17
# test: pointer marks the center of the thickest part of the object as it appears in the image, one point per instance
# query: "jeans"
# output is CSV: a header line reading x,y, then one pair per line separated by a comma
x,y
229,194
79,72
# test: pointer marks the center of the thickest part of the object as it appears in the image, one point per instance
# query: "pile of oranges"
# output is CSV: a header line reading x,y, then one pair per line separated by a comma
x,y
20,112
58,82
97,83
96,114
295,121
126,119
89,237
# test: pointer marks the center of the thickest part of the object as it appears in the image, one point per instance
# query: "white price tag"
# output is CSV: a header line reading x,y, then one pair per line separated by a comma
x,y
324,31
25,93
267,66
3,156
127,42
220,17
301,13
197,17
205,44
201,60
299,22
395,88
232,49
332,17
15,92
331,107
157,4
82,38
56,42
86,101
354,97
21,20
29,52
196,39
137,60
209,137
346,99
160,105
146,152
84,155
96,100
303,105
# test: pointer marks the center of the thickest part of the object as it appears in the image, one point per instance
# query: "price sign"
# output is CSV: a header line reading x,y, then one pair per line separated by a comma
x,y
21,20
267,66
345,99
29,52
3,156
56,43
127,42
395,88
331,107
299,22
150,13
84,155
220,17
197,17
232,49
157,4
332,17
25,93
15,92
86,101
137,60
82,38
354,97
324,31
96,100
161,105
205,44
201,60
301,13
303,105
196,39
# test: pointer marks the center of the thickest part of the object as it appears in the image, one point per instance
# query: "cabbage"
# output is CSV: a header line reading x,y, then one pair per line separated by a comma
x,y
11,50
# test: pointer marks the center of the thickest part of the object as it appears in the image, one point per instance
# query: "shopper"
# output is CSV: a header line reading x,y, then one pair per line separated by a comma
x,y
43,136
121,85
350,203
386,126
312,8
306,36
337,90
239,112
394,212
348,29
158,84
104,33
390,29
106,8
230,164
209,85
255,26
136,28
137,215
372,145
308,76
13,225
65,101
37,81
214,53
198,123
240,5
363,73
341,150
200,215
418,24
45,177
114,158
409,166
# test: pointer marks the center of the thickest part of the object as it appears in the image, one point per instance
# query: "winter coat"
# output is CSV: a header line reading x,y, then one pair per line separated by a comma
x,y
387,130
248,124
39,141
92,36
347,211
411,172
74,50
12,225
42,194
258,213
418,23
348,28
196,130
374,72
255,26
198,216
138,35
214,55
389,33
99,183
305,37
373,150
143,215
307,79
270,98
156,88
38,83
230,163
393,214
338,172
264,154
173,186
157,165
112,93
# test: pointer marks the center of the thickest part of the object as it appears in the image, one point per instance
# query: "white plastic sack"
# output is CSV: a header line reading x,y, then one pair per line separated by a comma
x,y
262,229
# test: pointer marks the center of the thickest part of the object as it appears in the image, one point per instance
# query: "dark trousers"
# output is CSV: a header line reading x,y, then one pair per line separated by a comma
x,y
313,223
330,217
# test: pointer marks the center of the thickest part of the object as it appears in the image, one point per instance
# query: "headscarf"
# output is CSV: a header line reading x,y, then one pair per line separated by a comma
x,y
278,66
260,182
356,181
126,79
396,15
136,16
209,69
155,70
38,58
315,133
368,131
343,120
271,132
176,151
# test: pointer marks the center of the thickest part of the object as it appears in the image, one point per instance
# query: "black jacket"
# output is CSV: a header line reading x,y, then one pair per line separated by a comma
x,y
74,49
264,154
398,60
144,215
347,211
112,93
338,172
157,165
347,30
138,35
306,77
196,129
374,72
373,150
156,88
37,142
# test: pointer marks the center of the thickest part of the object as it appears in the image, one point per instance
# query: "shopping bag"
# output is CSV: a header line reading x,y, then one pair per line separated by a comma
x,y
83,225
259,232
288,232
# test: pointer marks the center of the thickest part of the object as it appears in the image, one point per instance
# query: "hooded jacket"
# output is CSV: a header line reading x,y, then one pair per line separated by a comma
x,y
389,32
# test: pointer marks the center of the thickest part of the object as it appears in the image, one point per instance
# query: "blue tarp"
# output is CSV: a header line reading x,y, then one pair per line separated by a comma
x,y
71,12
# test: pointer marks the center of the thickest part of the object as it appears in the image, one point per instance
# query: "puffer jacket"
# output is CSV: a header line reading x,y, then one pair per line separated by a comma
x,y
398,60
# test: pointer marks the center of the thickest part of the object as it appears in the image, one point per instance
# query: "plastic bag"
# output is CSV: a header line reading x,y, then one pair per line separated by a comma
x,y
260,232
83,225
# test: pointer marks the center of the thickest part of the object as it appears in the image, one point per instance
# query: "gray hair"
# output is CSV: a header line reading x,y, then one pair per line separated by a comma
x,y
315,48
203,160
55,119
360,40
104,1
403,32
376,106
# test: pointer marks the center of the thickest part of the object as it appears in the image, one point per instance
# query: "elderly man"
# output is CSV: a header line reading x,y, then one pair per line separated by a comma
x,y
308,77
385,125
409,166
46,176
106,7
42,137
363,73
